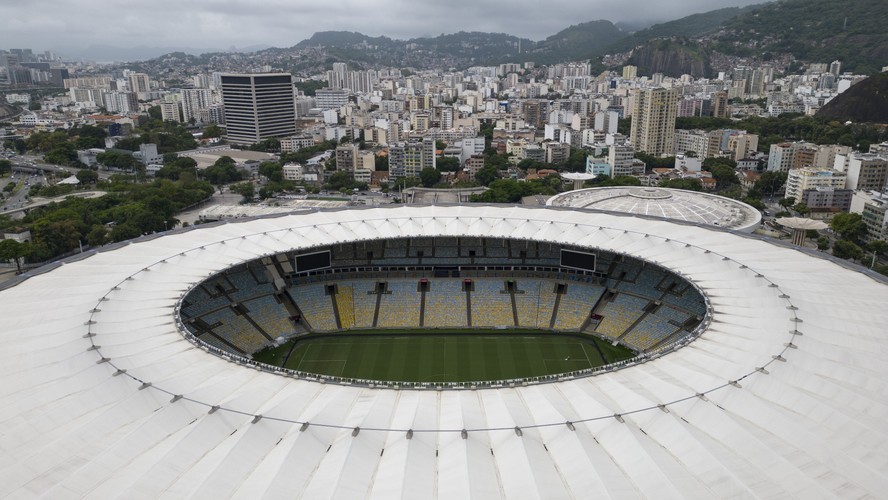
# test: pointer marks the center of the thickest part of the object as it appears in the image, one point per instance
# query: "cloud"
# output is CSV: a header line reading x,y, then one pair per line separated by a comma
x,y
76,24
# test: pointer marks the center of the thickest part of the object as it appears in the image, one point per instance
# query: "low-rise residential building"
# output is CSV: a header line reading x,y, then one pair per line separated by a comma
x,y
873,209
866,171
801,179
295,143
622,161
827,199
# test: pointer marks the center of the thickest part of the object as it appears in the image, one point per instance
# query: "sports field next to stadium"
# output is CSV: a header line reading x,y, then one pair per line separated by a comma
x,y
443,356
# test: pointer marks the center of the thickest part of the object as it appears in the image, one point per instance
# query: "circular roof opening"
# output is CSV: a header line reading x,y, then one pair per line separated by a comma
x,y
444,310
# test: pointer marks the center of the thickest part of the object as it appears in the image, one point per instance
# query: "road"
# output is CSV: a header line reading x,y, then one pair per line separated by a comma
x,y
19,199
33,163
39,202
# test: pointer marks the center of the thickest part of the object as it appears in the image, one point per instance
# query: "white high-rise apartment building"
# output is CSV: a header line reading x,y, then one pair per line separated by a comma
x,y
120,102
194,100
653,121
139,82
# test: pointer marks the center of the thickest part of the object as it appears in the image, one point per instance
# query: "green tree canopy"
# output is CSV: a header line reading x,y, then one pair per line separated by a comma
x,y
447,164
688,184
212,131
87,176
117,159
849,226
486,175
223,171
429,177
845,249
174,167
14,251
245,189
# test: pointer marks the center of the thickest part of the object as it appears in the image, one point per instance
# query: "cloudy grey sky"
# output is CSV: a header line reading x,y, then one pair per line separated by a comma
x,y
76,24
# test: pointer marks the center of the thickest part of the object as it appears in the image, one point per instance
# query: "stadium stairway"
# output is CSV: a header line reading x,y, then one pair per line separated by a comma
x,y
422,304
468,306
294,310
514,307
336,311
587,325
555,310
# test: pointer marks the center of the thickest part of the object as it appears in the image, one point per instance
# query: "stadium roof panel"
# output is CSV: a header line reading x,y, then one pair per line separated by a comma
x,y
676,204
785,394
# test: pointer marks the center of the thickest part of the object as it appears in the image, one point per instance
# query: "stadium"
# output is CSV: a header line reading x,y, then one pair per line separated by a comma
x,y
312,356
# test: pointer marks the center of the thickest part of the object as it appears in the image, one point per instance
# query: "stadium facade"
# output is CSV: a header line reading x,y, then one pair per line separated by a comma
x,y
783,395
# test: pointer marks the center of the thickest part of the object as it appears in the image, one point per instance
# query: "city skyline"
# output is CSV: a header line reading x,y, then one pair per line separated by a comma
x,y
210,25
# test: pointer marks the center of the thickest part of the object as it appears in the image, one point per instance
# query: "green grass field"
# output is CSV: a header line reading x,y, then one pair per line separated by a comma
x,y
436,357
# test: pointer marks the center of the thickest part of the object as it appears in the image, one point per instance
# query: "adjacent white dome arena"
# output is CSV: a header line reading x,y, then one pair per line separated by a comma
x,y
784,395
673,204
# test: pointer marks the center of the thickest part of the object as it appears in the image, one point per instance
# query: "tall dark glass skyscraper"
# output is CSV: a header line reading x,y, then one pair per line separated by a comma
x,y
258,106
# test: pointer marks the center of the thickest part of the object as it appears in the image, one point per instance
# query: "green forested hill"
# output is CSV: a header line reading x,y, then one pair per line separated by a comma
x,y
686,27
852,31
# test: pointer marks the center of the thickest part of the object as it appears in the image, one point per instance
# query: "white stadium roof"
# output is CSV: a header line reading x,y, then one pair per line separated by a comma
x,y
784,395
677,204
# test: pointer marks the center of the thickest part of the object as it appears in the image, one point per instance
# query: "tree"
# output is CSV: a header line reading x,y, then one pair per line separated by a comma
x,y
272,144
770,182
223,171
5,167
382,163
801,208
849,226
155,113
174,168
845,249
339,181
272,171
619,180
211,131
786,202
14,250
116,159
576,162
97,236
822,243
688,184
310,86
87,176
245,189
877,247
447,164
429,177
725,176
486,175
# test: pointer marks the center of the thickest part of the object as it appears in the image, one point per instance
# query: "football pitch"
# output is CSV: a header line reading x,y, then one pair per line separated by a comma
x,y
435,357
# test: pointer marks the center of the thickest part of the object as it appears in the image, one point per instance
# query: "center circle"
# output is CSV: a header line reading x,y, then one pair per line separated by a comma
x,y
443,310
